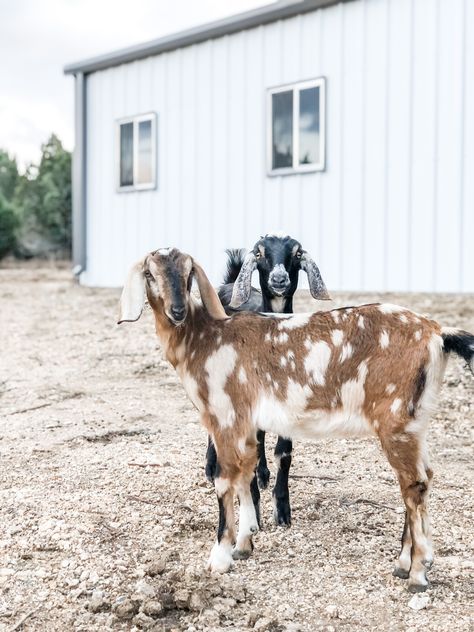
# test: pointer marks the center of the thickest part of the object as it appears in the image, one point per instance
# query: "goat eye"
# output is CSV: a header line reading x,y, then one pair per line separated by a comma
x,y
299,254
258,255
148,274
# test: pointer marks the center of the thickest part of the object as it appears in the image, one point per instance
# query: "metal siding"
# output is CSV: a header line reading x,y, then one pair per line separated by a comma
x,y
394,208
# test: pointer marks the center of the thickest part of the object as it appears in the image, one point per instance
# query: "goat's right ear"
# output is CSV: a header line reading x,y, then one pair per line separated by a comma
x,y
132,300
243,282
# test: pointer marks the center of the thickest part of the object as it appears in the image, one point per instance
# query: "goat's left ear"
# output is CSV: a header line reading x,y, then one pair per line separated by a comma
x,y
316,284
133,295
209,297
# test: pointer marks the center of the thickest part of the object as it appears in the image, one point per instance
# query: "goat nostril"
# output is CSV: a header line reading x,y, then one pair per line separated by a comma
x,y
178,312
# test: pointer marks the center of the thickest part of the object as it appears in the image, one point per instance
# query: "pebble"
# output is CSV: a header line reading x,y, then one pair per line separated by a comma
x,y
332,611
181,598
125,608
419,602
197,601
97,602
156,567
144,590
142,621
152,607
263,624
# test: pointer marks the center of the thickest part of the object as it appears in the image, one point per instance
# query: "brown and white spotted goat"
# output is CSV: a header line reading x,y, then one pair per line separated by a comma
x,y
373,369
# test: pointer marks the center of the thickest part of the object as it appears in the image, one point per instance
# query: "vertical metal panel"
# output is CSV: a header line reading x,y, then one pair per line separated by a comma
x,y
397,156
423,144
330,255
467,153
449,80
187,150
353,145
375,138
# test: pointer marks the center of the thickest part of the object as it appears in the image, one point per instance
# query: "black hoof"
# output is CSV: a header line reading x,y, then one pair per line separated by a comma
x,y
241,555
282,514
263,477
417,588
401,573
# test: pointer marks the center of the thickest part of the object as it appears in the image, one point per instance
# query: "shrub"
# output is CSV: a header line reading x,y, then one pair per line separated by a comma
x,y
8,226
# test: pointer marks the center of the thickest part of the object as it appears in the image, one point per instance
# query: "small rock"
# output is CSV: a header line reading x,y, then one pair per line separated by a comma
x,y
210,617
263,624
222,604
143,622
419,602
332,611
181,598
156,567
152,607
93,578
197,601
143,590
97,602
125,608
73,582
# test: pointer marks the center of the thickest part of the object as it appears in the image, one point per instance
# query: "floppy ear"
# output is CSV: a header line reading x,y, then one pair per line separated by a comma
x,y
209,296
242,285
133,295
316,284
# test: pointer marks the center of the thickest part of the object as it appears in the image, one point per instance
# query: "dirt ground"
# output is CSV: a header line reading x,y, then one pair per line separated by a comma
x,y
106,518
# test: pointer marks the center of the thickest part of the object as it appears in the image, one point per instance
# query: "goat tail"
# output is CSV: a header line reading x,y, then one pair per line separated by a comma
x,y
459,342
235,259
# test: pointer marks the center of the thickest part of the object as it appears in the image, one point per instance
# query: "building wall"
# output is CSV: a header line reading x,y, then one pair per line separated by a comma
x,y
394,209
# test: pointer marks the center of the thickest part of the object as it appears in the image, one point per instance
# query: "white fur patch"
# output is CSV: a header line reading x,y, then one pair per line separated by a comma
x,y
335,316
360,322
384,339
221,485
337,337
281,339
347,351
403,319
390,388
283,361
277,303
298,320
242,375
417,334
395,407
192,389
389,308
317,361
219,366
268,337
164,252
353,391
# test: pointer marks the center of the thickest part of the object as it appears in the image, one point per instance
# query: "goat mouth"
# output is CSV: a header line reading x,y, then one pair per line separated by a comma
x,y
280,291
174,321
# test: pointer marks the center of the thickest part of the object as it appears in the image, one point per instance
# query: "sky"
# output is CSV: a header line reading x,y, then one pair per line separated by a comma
x,y
37,39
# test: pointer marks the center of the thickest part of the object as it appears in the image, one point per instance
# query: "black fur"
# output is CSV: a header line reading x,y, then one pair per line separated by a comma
x,y
461,343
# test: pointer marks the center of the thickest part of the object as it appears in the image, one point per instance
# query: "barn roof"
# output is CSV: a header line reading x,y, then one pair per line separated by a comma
x,y
262,15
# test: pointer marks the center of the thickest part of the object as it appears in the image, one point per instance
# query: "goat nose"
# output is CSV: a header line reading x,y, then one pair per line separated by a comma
x,y
279,278
178,312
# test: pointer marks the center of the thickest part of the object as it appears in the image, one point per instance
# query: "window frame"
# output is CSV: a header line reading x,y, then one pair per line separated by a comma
x,y
136,120
296,87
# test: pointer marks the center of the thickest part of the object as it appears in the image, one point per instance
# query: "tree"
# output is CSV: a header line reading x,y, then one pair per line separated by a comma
x,y
44,199
8,175
8,225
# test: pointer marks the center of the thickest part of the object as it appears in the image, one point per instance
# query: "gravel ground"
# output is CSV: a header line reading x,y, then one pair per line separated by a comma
x,y
106,518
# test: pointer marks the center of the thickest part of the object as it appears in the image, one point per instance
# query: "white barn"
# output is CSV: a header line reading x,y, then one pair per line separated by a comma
x,y
348,124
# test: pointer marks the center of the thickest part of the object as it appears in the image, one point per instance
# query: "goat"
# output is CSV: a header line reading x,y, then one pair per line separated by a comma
x,y
278,259
373,369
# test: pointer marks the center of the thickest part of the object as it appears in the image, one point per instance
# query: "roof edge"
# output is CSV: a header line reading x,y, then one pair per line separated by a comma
x,y
196,35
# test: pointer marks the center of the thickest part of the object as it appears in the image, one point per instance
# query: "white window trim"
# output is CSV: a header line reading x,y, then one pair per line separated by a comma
x,y
149,116
320,83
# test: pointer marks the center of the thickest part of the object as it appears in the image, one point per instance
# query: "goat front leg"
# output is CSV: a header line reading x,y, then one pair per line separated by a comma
x,y
249,518
281,493
263,473
211,460
220,559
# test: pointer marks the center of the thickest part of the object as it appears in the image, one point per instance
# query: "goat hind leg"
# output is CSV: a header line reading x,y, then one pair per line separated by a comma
x,y
263,473
220,559
211,460
402,568
281,492
249,518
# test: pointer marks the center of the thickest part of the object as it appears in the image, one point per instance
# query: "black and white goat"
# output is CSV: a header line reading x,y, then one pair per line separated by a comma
x,y
278,259
368,370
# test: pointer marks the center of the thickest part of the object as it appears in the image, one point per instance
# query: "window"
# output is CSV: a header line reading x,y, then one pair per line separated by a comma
x,y
136,153
296,134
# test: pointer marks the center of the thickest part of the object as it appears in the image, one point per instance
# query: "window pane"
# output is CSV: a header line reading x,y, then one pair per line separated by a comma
x,y
309,126
126,154
282,129
144,153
